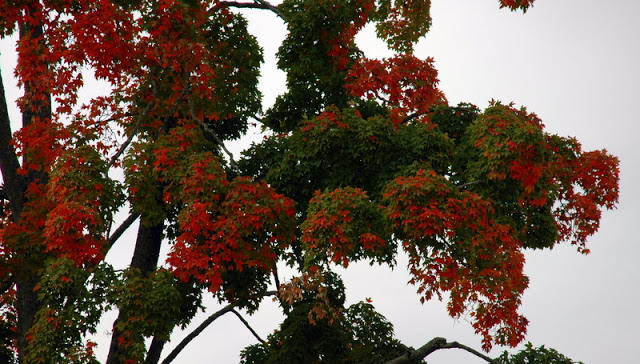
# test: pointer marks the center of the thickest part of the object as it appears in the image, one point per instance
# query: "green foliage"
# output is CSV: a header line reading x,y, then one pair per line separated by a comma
x,y
73,301
539,355
151,307
361,336
402,22
340,148
315,55
362,157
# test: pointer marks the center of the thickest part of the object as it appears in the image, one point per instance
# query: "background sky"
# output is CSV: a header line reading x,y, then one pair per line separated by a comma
x,y
573,62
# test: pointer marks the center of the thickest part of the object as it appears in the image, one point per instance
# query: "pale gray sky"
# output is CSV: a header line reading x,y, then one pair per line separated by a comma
x,y
576,64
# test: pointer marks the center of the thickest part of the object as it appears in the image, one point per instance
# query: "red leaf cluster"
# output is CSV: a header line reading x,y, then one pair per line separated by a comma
x,y
405,83
247,229
455,245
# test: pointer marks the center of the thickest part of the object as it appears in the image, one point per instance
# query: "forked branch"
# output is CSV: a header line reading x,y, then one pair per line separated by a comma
x,y
198,330
434,345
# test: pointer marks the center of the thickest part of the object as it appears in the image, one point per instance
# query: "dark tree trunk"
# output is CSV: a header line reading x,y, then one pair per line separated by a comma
x,y
145,258
14,187
153,356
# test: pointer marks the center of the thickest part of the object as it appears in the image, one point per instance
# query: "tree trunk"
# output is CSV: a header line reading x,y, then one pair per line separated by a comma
x,y
15,186
145,258
153,356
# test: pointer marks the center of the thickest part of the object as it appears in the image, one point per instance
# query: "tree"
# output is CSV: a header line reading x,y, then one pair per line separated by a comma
x,y
362,158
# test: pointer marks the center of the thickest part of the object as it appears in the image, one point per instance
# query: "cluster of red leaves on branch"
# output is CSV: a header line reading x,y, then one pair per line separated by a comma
x,y
341,225
455,245
74,34
83,200
222,225
405,83
512,144
249,227
342,43
516,4
587,182
548,168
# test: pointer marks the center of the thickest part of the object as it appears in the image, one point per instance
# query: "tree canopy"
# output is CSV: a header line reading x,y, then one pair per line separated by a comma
x,y
362,159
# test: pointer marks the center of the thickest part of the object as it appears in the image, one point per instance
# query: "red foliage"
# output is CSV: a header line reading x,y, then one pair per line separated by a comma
x,y
248,227
406,84
455,245
330,230
516,4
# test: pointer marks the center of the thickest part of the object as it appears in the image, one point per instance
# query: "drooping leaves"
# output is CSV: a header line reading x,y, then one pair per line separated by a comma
x,y
369,153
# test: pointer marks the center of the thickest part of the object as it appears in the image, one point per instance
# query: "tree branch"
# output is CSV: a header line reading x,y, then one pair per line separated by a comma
x,y
133,133
122,228
247,325
415,115
434,345
174,353
212,132
198,330
456,345
256,4
465,185
274,9
114,118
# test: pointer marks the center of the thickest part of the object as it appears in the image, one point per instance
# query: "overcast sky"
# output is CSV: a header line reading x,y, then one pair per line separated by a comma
x,y
576,64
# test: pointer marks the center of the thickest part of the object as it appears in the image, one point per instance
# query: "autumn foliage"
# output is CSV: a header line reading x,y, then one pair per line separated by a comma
x,y
362,159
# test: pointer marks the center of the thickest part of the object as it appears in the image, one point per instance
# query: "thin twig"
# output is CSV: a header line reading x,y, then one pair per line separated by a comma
x,y
212,132
114,118
133,133
248,326
465,185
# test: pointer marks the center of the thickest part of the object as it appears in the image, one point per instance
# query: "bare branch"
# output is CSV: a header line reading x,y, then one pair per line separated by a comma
x,y
248,326
122,228
133,133
415,115
117,117
456,345
434,345
174,353
256,4
465,185
198,330
274,9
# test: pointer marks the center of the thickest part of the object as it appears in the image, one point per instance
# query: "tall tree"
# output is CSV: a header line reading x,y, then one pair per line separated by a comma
x,y
362,158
